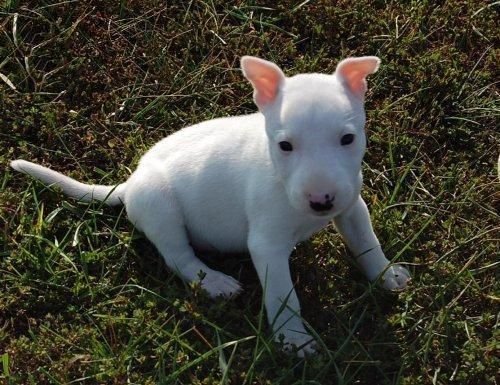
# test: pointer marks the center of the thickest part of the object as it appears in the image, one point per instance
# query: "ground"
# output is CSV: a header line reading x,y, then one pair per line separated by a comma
x,y
87,87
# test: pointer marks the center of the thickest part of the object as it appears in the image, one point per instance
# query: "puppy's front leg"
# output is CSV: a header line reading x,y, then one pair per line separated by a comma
x,y
355,227
270,257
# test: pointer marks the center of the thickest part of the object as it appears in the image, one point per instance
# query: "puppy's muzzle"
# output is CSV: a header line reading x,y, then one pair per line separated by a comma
x,y
321,203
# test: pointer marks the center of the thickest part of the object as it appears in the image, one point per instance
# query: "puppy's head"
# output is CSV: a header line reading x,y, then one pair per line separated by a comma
x,y
315,125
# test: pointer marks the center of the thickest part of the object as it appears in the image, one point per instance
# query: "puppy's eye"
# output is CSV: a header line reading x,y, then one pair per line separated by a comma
x,y
286,146
347,139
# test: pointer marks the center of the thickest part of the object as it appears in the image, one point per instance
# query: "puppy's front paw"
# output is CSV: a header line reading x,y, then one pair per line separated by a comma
x,y
303,344
217,283
396,277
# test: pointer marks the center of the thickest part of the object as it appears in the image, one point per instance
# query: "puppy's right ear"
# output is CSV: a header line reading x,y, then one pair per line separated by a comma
x,y
354,70
266,78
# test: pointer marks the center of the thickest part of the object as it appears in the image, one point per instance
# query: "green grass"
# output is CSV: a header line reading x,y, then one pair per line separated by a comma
x,y
88,87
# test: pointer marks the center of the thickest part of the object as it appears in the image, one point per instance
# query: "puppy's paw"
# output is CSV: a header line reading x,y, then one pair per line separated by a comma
x,y
302,344
217,283
396,278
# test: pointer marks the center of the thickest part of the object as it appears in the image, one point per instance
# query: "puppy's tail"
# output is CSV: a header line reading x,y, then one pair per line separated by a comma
x,y
111,195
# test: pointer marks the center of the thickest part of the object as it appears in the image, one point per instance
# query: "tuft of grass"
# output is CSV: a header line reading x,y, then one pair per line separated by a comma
x,y
88,87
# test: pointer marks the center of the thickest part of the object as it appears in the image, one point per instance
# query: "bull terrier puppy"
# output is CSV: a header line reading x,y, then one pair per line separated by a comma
x,y
258,183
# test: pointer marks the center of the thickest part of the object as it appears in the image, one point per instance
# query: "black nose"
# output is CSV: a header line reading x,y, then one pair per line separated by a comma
x,y
318,206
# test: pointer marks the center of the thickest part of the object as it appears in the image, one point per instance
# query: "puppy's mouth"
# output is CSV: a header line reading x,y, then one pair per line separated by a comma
x,y
323,213
321,207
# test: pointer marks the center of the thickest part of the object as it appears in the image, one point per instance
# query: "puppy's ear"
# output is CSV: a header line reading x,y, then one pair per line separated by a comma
x,y
266,78
353,72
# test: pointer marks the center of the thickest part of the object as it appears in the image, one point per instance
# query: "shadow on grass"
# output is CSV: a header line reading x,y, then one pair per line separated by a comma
x,y
349,318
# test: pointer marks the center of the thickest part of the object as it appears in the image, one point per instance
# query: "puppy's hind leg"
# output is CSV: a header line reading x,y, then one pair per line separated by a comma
x,y
160,220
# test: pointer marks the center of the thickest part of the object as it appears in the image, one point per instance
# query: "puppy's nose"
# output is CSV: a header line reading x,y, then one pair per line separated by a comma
x,y
321,202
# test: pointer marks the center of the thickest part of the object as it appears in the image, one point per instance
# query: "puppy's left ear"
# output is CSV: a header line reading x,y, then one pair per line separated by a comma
x,y
266,77
353,71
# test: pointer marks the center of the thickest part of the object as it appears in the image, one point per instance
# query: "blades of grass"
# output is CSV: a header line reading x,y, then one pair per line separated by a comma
x,y
206,355
5,365
403,177
414,237
76,241
258,334
476,237
455,277
52,379
222,357
458,97
57,250
225,365
53,214
264,347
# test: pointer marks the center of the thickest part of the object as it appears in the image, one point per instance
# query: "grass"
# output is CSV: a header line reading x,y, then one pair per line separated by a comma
x,y
87,87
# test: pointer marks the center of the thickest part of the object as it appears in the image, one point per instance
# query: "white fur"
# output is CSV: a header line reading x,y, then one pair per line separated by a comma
x,y
226,185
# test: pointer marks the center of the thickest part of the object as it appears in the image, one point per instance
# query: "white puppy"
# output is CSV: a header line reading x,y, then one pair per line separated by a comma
x,y
259,183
